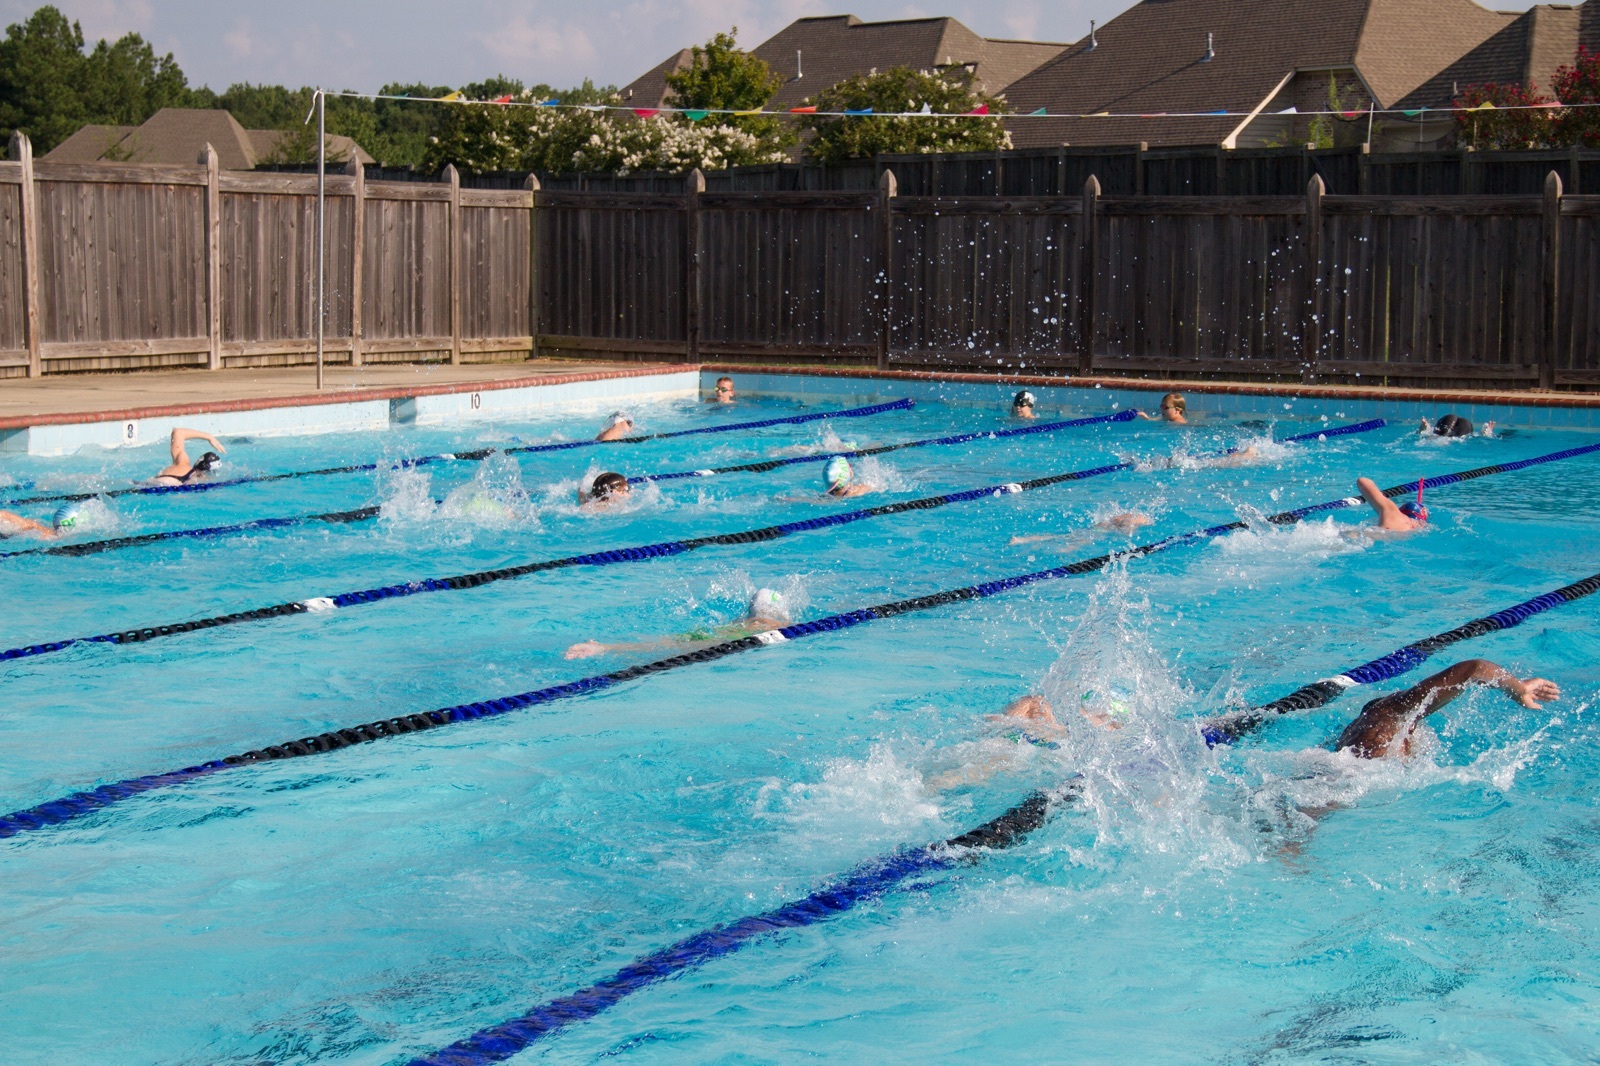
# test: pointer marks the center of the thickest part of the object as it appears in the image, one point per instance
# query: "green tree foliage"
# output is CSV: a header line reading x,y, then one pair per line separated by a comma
x,y
49,86
721,77
895,91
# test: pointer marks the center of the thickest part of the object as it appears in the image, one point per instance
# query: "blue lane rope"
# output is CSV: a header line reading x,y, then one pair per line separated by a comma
x,y
604,558
822,457
470,456
94,547
80,804
880,876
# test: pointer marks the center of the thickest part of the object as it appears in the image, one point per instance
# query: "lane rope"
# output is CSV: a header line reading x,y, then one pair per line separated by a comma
x,y
879,876
822,457
80,804
604,558
94,547
475,455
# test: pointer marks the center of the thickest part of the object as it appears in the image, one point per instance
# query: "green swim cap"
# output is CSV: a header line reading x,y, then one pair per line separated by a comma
x,y
838,471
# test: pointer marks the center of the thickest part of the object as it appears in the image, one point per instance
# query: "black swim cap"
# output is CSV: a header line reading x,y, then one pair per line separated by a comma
x,y
1452,426
1022,399
207,460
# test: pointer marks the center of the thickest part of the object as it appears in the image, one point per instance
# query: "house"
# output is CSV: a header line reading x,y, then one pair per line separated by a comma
x,y
1526,52
179,135
1266,62
812,54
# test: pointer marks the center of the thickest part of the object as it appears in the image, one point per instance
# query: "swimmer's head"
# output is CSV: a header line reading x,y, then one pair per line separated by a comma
x,y
1021,400
1174,402
67,517
724,388
768,605
1452,426
608,485
1110,706
618,418
838,473
1414,509
207,461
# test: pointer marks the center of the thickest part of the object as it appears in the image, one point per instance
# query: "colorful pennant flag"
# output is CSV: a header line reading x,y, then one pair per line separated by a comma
x,y
1290,110
858,111
450,98
695,114
549,103
811,110
757,111
1414,114
981,109
1038,112
506,99
647,112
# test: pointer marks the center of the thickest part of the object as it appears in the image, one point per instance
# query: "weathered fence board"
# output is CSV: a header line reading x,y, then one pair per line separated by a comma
x,y
613,267
13,339
269,261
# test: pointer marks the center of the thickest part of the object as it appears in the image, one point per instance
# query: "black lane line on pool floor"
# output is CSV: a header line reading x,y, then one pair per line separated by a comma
x,y
362,514
605,558
879,876
474,456
80,804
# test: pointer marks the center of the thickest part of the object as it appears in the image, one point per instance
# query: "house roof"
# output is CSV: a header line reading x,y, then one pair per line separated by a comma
x,y
1150,60
179,135
833,47
1528,51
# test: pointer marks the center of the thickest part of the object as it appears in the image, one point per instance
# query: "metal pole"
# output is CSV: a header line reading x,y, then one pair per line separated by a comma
x,y
322,218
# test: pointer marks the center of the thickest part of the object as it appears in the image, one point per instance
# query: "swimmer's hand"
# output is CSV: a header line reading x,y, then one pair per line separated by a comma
x,y
586,650
1531,691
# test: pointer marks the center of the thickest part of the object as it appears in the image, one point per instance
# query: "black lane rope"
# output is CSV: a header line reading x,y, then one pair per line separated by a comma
x,y
91,547
94,547
822,457
605,558
79,804
879,876
470,456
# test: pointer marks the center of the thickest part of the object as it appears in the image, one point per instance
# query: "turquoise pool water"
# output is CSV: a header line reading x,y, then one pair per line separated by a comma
x,y
373,904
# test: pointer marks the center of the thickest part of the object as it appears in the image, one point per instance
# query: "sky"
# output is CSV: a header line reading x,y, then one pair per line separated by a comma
x,y
361,44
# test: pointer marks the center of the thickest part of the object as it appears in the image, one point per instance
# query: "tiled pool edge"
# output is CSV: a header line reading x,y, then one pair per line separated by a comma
x,y
346,410
1562,410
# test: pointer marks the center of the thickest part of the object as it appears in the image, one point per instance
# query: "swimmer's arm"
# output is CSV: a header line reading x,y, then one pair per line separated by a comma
x,y
26,525
180,437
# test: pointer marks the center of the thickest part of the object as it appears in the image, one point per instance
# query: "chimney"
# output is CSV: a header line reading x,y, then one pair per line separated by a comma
x,y
1093,44
799,70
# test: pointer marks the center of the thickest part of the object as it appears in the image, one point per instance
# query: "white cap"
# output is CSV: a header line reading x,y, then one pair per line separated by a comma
x,y
769,606
618,418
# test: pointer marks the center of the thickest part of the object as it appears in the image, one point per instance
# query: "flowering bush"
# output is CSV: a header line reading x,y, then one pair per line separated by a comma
x,y
901,89
1579,84
1530,125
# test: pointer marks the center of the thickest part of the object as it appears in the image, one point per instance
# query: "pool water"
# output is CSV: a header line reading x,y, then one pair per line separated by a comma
x,y
1272,902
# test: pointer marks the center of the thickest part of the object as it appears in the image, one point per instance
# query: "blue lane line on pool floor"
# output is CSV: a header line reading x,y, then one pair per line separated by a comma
x,y
604,558
92,547
468,456
80,804
822,457
879,876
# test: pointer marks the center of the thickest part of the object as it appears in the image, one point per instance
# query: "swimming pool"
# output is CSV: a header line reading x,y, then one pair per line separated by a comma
x,y
373,904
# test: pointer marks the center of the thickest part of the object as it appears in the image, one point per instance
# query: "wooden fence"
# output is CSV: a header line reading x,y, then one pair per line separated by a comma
x,y
105,266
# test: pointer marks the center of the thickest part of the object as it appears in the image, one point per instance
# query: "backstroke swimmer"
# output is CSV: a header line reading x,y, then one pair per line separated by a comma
x,y
182,471
768,610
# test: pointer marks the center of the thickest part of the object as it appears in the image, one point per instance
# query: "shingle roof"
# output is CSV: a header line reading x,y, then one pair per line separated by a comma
x,y
834,47
179,135
1150,59
1529,50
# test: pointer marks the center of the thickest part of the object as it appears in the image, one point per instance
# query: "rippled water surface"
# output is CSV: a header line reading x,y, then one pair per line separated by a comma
x,y
1274,902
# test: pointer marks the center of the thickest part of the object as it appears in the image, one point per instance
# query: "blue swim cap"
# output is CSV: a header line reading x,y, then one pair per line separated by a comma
x,y
838,472
67,516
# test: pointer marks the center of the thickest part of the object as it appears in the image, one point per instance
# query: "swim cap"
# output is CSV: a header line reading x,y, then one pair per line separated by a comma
x,y
617,419
67,516
769,606
838,472
1414,511
1452,426
207,461
1022,399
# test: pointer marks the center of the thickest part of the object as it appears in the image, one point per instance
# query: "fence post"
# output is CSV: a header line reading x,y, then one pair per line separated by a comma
x,y
22,152
1138,168
532,185
1089,262
454,178
1310,334
208,159
358,230
696,185
1550,327
888,189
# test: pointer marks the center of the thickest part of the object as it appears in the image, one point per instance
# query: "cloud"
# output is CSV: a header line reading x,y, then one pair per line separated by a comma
x,y
521,41
241,41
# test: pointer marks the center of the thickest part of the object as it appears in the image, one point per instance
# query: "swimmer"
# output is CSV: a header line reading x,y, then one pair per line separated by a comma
x,y
1453,426
1173,409
1386,725
606,491
1402,518
182,471
840,479
617,427
1124,522
768,610
724,393
1022,405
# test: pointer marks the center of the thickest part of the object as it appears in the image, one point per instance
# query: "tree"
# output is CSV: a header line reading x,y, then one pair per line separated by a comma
x,y
721,77
49,87
1503,116
1579,84
892,92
